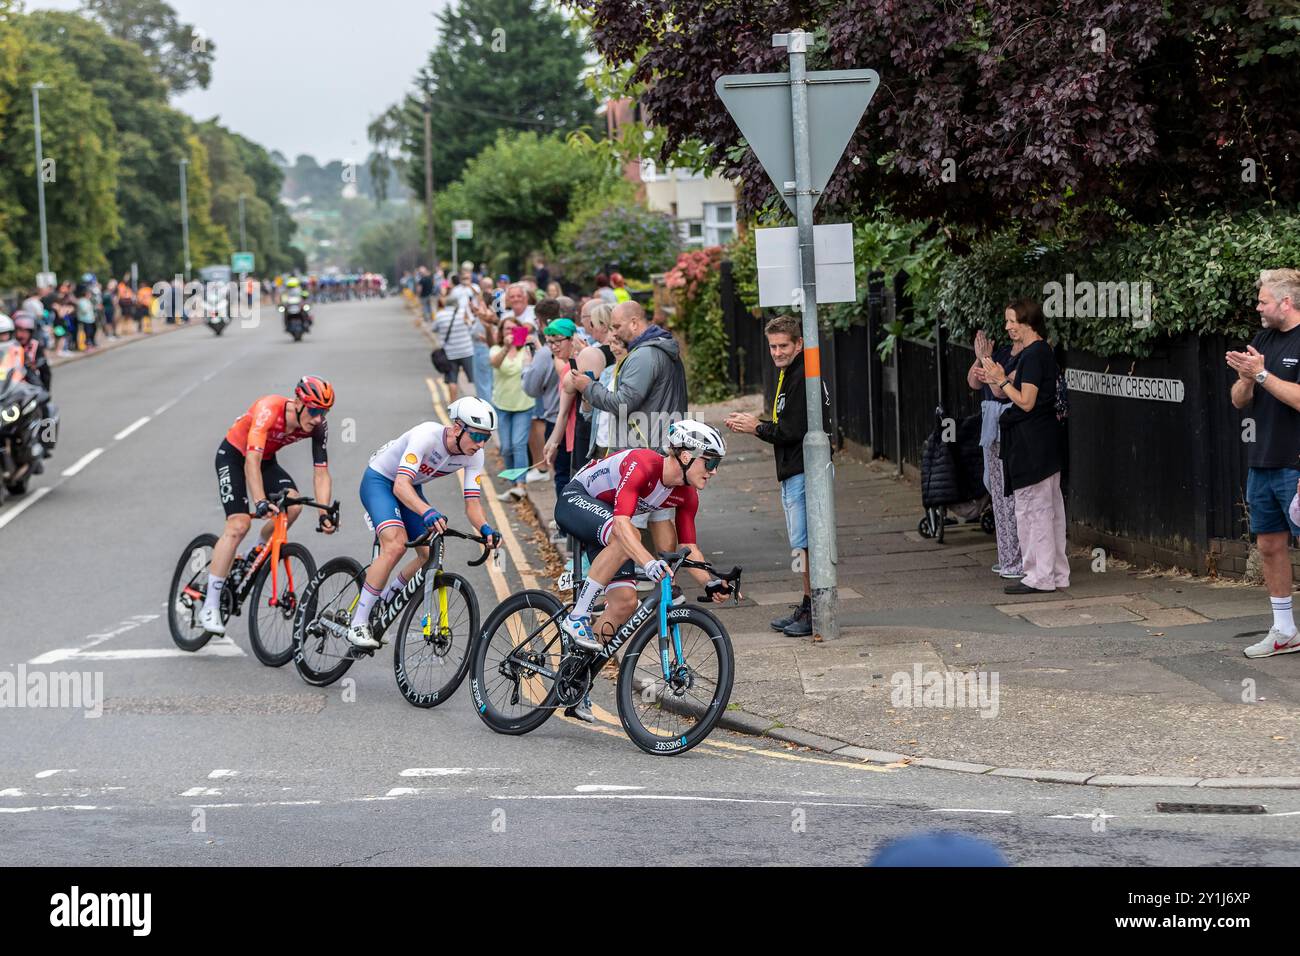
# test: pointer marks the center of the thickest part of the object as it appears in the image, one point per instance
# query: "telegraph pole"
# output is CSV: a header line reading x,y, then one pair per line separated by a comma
x,y
428,175
185,217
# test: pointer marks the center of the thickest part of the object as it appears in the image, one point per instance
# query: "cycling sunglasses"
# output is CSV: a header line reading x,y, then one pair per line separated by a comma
x,y
711,464
317,412
479,437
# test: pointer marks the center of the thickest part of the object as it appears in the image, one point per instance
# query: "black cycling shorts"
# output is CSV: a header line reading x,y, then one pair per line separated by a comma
x,y
233,487
589,520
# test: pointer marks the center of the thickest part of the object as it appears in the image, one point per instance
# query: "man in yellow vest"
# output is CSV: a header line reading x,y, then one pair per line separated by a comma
x,y
786,432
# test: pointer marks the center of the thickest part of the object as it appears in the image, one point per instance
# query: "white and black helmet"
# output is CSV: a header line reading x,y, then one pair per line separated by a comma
x,y
474,412
695,436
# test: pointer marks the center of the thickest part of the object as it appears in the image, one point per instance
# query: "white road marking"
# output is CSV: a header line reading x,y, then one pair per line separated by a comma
x,y
446,771
402,791
22,506
222,773
201,792
82,462
602,787
680,798
41,775
966,810
139,422
271,803
64,807
212,649
11,792
63,653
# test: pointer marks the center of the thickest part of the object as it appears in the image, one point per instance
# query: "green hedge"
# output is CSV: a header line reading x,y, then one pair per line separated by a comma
x,y
1201,274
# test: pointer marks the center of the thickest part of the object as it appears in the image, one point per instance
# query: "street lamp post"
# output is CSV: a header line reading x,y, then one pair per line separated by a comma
x,y
40,175
243,238
185,217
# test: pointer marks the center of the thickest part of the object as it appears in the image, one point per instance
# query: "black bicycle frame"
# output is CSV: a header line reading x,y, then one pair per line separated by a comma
x,y
389,611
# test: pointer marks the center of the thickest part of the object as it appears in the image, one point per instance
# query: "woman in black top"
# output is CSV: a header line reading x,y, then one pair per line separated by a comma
x,y
991,409
1031,450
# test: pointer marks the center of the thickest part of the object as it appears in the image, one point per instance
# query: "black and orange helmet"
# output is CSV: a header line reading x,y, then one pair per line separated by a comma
x,y
314,392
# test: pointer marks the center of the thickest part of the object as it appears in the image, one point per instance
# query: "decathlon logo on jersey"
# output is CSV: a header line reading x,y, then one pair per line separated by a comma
x,y
74,909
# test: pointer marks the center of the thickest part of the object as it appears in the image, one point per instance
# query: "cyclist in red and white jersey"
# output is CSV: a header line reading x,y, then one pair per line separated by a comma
x,y
597,508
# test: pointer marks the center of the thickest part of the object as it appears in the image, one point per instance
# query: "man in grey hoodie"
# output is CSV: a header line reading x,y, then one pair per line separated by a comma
x,y
649,388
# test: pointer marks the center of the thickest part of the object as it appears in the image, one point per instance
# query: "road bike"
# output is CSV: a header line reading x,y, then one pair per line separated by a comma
x,y
673,683
434,636
286,565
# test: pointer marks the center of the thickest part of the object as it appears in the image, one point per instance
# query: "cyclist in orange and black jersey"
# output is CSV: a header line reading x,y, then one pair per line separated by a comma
x,y
247,468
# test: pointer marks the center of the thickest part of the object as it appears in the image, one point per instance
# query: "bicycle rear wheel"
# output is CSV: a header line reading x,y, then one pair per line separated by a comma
x,y
188,591
670,717
522,634
431,653
270,625
321,651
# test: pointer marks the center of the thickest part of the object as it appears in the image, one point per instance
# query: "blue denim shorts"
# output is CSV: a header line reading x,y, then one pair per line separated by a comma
x,y
1268,495
796,511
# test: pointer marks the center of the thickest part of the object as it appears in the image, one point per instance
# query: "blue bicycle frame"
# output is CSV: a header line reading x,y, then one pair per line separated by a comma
x,y
665,601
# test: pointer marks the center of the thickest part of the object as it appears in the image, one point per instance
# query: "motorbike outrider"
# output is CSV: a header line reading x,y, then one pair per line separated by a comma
x,y
29,429
297,317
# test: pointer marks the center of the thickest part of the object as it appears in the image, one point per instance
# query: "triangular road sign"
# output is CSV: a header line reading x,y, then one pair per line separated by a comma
x,y
760,105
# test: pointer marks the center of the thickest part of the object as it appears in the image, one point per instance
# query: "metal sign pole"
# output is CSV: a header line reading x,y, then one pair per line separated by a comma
x,y
820,485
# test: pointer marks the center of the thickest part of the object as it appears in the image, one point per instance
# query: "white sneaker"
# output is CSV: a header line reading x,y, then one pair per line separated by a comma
x,y
996,569
1275,642
210,621
582,710
1011,575
535,475
579,631
513,493
359,636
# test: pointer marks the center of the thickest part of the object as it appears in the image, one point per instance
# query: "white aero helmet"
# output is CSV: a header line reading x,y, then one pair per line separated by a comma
x,y
474,412
695,436
6,324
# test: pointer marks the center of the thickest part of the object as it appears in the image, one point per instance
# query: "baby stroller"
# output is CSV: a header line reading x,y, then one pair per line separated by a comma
x,y
952,479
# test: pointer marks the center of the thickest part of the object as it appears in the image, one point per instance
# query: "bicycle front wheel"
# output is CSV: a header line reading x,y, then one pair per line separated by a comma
x,y
431,652
188,591
670,716
270,623
322,653
519,640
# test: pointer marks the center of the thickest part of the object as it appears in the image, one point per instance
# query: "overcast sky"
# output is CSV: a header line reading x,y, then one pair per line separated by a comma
x,y
304,77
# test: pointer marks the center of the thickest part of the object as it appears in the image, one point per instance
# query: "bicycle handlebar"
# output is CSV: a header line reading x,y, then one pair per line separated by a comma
x,y
678,559
330,511
424,539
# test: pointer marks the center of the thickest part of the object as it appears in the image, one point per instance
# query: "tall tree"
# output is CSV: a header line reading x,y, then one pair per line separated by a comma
x,y
518,191
81,160
994,111
498,64
178,52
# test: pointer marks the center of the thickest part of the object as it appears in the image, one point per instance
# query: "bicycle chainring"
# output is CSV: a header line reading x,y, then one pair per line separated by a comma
x,y
572,680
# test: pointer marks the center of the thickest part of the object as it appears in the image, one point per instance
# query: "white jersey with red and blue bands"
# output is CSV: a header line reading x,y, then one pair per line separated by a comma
x,y
421,455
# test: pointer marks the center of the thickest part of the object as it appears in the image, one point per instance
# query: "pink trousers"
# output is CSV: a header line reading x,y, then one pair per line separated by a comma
x,y
1040,527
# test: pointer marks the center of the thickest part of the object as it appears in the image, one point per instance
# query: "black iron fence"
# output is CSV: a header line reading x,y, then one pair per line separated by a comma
x,y
1157,472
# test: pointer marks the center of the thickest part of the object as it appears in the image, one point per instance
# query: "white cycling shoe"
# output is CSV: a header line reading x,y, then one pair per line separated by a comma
x,y
210,621
579,631
359,636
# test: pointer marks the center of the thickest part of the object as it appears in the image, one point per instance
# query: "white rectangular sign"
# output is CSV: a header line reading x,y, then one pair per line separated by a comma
x,y
780,281
1125,386
462,228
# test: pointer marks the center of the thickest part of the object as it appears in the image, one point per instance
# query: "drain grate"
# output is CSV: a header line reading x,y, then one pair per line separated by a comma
x,y
1209,808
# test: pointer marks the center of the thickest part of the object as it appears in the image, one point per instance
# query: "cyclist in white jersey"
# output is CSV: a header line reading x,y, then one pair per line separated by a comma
x,y
395,505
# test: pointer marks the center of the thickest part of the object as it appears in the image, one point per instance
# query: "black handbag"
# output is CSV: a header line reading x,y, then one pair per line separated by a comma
x,y
440,361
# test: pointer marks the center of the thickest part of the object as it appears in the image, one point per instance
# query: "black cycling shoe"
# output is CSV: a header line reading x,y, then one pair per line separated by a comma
x,y
781,623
